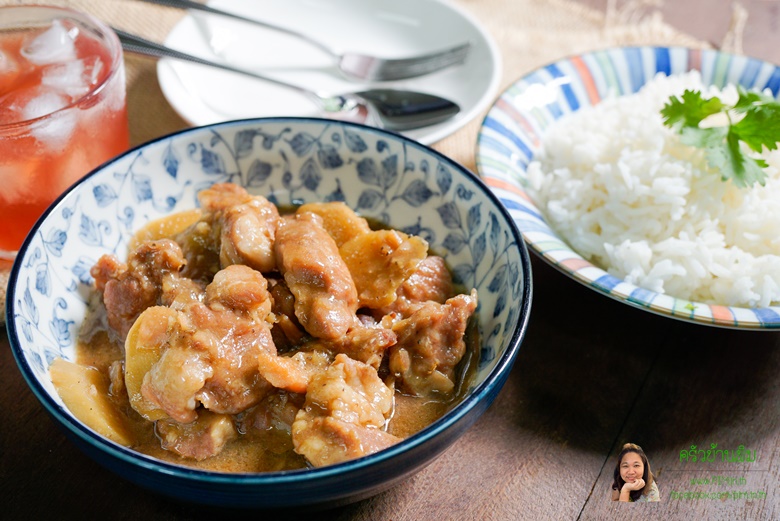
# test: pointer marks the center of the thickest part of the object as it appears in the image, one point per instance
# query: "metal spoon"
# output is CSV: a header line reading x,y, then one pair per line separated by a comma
x,y
391,109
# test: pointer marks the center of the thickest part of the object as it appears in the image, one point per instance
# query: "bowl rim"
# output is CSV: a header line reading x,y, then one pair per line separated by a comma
x,y
672,308
450,418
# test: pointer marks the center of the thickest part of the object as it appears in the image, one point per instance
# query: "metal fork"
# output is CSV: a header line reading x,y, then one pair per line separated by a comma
x,y
355,65
393,109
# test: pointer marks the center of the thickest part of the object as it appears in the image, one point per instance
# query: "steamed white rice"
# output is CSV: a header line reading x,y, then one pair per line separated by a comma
x,y
625,194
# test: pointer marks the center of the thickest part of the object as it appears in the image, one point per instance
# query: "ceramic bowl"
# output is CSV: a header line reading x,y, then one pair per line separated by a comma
x,y
382,175
512,131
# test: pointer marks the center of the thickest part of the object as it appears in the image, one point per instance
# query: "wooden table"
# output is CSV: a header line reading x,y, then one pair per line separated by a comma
x,y
591,375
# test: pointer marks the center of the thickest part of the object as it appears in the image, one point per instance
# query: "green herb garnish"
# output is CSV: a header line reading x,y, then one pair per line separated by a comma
x,y
757,125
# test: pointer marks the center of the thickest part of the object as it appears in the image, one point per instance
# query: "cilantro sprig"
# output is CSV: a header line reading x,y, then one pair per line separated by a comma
x,y
753,120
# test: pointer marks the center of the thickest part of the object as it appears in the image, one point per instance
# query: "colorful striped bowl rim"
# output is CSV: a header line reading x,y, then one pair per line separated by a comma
x,y
511,132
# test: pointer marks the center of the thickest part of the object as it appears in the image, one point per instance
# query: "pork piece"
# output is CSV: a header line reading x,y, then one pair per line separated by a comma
x,y
246,223
211,365
242,290
234,347
211,349
201,439
292,373
341,222
173,382
270,421
366,341
235,228
325,295
128,289
431,281
430,345
379,262
344,415
107,268
149,338
221,196
248,232
178,291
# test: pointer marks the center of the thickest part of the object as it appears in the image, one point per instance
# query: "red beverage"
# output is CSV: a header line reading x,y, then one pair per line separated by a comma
x,y
63,110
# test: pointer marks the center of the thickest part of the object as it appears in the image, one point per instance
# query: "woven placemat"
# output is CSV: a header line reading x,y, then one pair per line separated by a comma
x,y
529,34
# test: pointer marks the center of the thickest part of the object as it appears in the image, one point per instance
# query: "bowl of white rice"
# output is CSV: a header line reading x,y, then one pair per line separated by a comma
x,y
603,191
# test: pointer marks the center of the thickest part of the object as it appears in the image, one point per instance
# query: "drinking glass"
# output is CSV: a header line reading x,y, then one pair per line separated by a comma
x,y
63,110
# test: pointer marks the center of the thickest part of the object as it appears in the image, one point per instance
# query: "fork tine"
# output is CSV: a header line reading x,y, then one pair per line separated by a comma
x,y
400,68
432,62
459,50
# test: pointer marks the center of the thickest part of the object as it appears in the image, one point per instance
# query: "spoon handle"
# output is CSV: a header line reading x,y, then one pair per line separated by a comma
x,y
133,43
197,6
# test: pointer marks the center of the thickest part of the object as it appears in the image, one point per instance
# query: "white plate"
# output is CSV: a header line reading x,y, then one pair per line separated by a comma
x,y
203,95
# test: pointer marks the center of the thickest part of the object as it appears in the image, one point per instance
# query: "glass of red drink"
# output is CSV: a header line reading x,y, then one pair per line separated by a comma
x,y
63,110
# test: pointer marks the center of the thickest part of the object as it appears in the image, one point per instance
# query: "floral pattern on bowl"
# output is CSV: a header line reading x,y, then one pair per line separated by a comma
x,y
291,161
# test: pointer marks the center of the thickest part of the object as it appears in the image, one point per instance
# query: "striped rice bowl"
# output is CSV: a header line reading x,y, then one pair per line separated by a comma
x,y
625,194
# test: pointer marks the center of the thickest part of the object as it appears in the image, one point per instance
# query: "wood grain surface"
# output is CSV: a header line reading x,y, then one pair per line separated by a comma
x,y
591,375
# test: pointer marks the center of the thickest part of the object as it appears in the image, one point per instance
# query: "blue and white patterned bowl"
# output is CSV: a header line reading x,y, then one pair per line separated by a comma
x,y
382,175
512,130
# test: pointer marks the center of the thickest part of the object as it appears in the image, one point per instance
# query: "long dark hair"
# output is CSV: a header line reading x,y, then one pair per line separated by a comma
x,y
617,483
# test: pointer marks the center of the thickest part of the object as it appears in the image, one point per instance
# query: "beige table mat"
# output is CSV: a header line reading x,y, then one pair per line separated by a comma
x,y
529,34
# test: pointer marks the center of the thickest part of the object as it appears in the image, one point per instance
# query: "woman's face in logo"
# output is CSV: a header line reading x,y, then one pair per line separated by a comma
x,y
631,467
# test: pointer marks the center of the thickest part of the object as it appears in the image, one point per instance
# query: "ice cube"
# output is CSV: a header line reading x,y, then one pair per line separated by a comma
x,y
43,102
55,45
67,78
54,131
74,78
9,111
93,69
28,104
14,103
